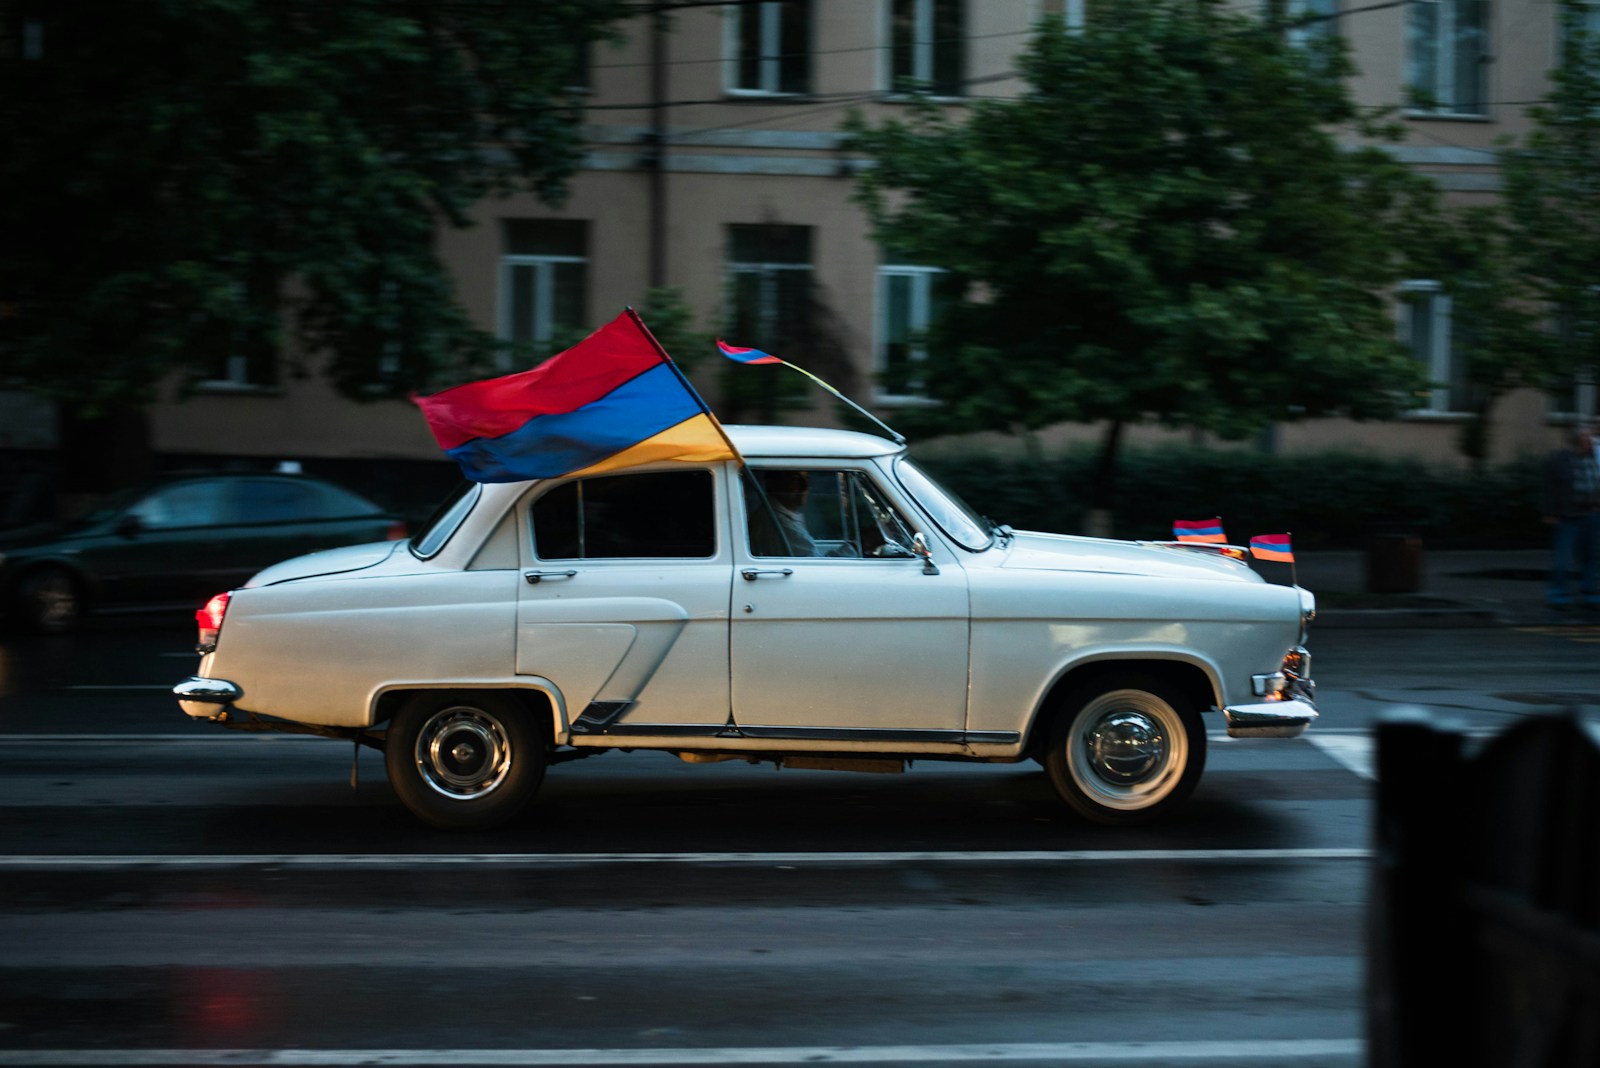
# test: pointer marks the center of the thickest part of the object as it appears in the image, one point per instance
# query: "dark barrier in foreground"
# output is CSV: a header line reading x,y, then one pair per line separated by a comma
x,y
1485,933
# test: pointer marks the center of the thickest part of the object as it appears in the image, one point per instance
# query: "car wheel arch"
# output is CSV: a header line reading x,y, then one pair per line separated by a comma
x,y
1194,678
541,701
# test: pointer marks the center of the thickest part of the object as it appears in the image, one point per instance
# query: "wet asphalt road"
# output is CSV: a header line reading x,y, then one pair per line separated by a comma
x,y
172,890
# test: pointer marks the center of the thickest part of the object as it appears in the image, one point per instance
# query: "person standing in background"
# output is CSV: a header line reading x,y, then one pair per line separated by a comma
x,y
1572,508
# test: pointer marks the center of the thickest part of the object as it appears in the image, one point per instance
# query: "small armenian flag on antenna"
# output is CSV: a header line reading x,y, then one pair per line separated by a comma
x,y
1199,530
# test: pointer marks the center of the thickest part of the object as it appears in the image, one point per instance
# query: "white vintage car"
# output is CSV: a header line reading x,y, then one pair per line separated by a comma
x,y
851,615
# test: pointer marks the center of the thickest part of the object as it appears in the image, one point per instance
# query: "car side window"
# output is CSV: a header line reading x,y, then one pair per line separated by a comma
x,y
188,504
809,512
276,501
659,514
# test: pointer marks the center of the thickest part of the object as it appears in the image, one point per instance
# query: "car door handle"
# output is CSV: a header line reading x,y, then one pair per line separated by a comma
x,y
752,573
536,577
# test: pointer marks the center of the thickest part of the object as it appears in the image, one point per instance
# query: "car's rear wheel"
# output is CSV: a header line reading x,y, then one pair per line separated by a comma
x,y
1127,749
464,759
49,600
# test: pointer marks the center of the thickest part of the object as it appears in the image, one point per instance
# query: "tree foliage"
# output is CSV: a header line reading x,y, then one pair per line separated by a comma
x,y
1163,226
1552,196
187,180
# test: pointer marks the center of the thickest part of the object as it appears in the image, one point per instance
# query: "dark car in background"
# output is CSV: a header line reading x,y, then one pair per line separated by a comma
x,y
176,543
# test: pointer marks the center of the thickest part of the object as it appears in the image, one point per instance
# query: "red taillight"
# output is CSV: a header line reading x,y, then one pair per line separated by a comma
x,y
397,531
210,620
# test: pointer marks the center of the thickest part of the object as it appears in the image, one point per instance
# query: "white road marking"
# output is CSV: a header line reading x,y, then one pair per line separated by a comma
x,y
1354,751
122,686
418,860
1272,1050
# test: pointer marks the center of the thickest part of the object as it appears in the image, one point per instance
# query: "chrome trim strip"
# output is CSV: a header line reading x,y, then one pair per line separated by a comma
x,y
669,730
598,716
993,737
855,734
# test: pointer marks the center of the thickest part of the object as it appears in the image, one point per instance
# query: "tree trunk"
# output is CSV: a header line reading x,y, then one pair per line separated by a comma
x,y
1101,519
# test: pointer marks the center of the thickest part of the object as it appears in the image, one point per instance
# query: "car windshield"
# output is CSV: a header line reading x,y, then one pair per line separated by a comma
x,y
953,516
445,519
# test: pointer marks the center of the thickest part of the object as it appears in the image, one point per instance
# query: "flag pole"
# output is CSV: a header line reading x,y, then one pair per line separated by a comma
x,y
684,380
899,439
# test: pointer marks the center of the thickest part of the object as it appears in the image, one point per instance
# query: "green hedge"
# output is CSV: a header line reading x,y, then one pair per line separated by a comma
x,y
1326,501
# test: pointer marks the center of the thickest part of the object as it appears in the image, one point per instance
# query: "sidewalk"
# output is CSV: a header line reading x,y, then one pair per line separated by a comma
x,y
1459,588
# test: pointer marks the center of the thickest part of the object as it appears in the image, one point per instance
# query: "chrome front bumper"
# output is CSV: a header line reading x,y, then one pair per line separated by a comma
x,y
1270,719
206,698
1289,705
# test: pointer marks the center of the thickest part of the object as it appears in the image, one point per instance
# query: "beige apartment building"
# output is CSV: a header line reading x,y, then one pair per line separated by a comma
x,y
715,165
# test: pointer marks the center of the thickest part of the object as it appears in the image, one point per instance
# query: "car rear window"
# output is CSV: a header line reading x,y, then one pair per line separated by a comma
x,y
283,500
660,514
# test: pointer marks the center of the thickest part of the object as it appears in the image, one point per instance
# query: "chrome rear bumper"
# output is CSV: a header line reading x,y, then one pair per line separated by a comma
x,y
206,698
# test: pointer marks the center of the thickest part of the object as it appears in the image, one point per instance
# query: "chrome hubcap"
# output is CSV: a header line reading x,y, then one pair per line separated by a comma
x,y
463,753
1128,749
1126,746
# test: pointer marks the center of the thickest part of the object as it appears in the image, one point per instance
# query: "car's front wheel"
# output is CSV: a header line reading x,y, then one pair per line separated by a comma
x,y
464,760
1128,749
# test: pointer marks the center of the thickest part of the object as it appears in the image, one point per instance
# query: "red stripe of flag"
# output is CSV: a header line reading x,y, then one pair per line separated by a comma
x,y
744,355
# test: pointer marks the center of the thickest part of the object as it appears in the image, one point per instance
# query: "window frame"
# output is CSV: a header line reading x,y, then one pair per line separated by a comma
x,y
1441,355
854,480
544,293
713,516
1445,45
923,303
925,51
774,48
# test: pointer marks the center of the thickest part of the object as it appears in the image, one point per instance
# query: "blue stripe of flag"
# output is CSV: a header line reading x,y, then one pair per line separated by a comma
x,y
550,445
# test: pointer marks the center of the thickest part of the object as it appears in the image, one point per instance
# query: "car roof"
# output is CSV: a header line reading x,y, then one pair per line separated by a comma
x,y
773,442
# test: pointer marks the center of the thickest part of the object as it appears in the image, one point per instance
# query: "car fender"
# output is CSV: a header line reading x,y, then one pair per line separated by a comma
x,y
386,697
1076,667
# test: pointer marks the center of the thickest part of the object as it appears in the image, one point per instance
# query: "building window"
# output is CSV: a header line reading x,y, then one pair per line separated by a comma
x,y
580,70
769,269
544,278
769,47
1072,13
1305,21
1576,394
908,303
769,308
1428,328
1446,56
928,46
241,353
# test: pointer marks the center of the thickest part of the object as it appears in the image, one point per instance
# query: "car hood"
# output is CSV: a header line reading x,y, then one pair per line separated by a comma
x,y
1061,552
338,561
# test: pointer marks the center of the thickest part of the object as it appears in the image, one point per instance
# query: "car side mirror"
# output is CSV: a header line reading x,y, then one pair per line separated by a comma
x,y
919,547
129,526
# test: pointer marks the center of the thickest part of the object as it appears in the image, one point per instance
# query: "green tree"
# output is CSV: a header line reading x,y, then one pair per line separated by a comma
x,y
189,181
1162,226
1552,197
